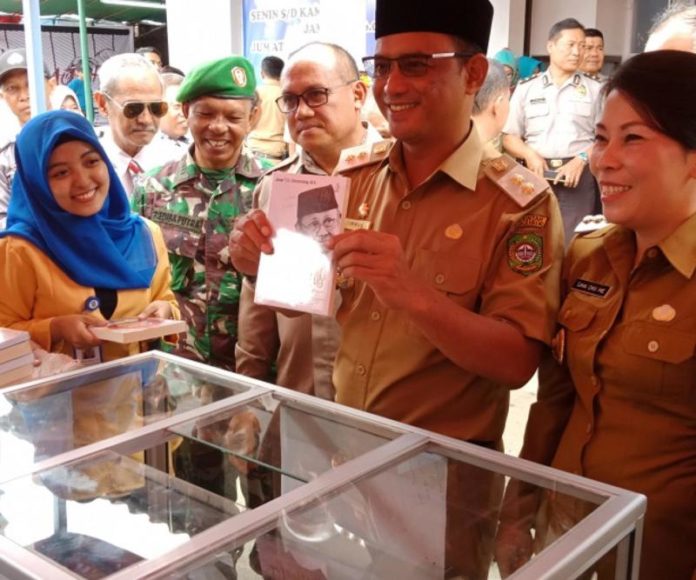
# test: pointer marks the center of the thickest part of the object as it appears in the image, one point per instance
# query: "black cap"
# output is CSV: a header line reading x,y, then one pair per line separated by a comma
x,y
15,59
316,200
467,19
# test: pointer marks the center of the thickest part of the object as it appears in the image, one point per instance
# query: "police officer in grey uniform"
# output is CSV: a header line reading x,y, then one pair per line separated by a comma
x,y
552,122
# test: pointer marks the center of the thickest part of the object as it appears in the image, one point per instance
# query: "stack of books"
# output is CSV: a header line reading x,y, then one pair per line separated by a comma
x,y
16,358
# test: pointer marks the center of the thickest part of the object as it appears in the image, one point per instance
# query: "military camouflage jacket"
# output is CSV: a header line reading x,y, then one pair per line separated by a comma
x,y
196,214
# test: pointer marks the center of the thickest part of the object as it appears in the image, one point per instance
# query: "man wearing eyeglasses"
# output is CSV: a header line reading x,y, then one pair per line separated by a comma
x,y
321,100
450,288
131,98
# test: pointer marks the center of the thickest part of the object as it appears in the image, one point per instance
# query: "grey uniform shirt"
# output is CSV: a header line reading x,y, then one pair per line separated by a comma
x,y
555,121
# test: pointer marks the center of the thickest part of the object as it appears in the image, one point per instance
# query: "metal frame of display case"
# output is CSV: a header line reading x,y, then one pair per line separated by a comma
x,y
616,522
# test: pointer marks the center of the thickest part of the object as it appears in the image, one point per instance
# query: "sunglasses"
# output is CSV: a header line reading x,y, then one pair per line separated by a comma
x,y
133,109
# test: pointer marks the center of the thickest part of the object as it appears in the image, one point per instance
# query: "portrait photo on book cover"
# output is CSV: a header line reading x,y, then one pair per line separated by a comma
x,y
318,215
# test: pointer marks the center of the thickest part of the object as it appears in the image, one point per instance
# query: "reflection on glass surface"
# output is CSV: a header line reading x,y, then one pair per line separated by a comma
x,y
282,438
41,422
99,516
429,516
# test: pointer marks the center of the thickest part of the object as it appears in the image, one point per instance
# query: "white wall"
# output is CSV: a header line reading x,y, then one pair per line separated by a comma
x,y
508,26
203,30
612,17
545,13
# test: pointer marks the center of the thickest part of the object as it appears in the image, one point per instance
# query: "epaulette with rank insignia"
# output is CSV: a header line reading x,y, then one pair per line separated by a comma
x,y
592,76
591,223
284,163
361,155
527,79
514,179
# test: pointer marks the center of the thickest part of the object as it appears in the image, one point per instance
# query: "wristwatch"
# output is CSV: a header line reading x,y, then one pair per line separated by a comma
x,y
583,155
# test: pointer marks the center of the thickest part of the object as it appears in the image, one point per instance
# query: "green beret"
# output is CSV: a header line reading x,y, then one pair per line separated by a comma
x,y
227,78
316,200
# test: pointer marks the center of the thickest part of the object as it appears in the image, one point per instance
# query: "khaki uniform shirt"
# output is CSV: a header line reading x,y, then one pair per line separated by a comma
x,y
631,351
471,240
556,122
267,137
303,347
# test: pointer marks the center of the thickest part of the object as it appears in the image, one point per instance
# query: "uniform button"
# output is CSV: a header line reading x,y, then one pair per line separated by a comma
x,y
589,428
593,380
568,313
406,205
375,315
440,279
361,370
653,346
651,253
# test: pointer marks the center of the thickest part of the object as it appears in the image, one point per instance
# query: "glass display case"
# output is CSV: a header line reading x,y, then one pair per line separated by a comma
x,y
155,466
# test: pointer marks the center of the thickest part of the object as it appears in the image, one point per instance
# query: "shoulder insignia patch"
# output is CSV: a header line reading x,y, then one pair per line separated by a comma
x,y
525,253
591,223
514,179
361,155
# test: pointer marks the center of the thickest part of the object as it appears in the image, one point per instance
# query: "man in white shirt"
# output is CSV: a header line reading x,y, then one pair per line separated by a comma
x,y
552,120
131,98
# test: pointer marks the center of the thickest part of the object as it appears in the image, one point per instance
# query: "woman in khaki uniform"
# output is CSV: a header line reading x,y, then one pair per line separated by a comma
x,y
628,321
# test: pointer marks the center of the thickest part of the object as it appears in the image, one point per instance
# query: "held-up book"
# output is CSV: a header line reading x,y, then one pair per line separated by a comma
x,y
134,330
305,211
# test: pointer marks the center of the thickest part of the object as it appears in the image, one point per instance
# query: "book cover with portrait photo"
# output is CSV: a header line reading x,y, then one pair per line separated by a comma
x,y
306,211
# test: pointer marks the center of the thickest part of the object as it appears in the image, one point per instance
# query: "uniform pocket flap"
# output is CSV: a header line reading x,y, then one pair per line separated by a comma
x,y
447,272
576,314
659,342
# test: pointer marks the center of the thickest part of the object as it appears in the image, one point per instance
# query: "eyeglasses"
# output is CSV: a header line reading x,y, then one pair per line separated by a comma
x,y
410,65
316,97
314,226
133,109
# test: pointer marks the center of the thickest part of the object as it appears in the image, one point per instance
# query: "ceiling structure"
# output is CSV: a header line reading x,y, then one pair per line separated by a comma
x,y
93,9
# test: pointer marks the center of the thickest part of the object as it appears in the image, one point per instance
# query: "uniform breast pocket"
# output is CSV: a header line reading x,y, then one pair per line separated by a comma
x,y
454,274
576,315
577,108
576,318
666,356
537,115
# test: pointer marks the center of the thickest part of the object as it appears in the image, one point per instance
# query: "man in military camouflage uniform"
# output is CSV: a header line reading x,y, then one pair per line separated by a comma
x,y
196,200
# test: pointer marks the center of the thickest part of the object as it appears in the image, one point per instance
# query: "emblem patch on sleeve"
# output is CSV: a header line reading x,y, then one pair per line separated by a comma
x,y
525,253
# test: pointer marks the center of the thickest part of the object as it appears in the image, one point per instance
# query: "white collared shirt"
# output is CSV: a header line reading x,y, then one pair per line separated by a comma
x,y
555,121
147,158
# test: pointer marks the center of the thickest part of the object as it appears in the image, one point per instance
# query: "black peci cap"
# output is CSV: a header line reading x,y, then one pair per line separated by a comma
x,y
467,19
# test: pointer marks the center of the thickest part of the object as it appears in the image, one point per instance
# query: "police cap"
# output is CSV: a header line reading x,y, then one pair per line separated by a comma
x,y
227,78
466,19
